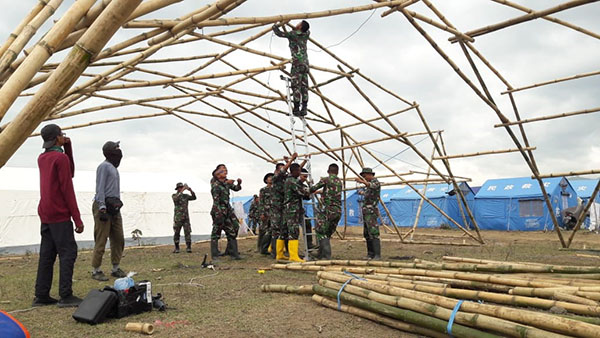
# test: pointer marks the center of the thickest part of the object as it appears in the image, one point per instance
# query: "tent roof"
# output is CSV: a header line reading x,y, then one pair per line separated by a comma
x,y
242,199
584,188
387,194
433,191
516,187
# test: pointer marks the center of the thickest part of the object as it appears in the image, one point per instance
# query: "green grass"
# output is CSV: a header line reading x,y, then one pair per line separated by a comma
x,y
229,302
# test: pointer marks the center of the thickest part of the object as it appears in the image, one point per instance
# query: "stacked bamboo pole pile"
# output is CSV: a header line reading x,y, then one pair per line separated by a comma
x,y
483,298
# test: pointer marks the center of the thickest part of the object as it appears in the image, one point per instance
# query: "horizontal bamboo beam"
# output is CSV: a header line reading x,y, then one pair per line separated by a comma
x,y
548,117
479,153
571,173
524,18
578,76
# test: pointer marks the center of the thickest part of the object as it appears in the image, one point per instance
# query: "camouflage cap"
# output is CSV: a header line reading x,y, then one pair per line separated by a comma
x,y
178,185
367,171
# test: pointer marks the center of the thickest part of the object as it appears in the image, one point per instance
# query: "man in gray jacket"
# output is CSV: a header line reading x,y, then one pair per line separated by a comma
x,y
107,215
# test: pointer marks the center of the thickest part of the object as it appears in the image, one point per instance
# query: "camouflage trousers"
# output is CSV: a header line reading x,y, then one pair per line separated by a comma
x,y
300,83
293,218
264,227
187,231
370,226
275,222
327,222
227,223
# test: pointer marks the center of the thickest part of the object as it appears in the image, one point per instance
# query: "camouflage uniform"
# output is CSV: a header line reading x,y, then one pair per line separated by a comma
x,y
331,205
181,218
293,215
370,210
264,209
222,213
253,214
297,42
278,227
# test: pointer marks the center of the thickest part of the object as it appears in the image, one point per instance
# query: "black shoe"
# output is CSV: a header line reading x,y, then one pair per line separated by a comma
x,y
303,110
325,249
99,275
376,249
369,249
214,249
233,249
188,249
43,301
273,247
71,301
296,109
118,273
176,250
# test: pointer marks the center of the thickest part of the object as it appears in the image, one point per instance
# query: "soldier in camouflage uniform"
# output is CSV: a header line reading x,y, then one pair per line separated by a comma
x,y
297,41
264,207
223,216
279,232
293,216
253,213
181,218
331,209
216,230
370,212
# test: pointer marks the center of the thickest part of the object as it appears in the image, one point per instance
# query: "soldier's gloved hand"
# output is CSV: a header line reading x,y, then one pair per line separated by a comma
x,y
103,215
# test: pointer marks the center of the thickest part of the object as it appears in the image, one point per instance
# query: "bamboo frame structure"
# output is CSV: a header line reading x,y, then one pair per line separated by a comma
x,y
240,95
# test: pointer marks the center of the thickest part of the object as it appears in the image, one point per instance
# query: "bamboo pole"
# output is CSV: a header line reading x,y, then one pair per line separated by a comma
x,y
11,89
548,117
479,153
388,295
65,75
401,314
541,320
568,78
299,290
15,33
573,173
396,324
549,18
586,209
524,18
27,33
455,283
387,211
200,21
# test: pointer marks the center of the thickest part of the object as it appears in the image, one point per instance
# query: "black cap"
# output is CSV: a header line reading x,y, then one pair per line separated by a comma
x,y
267,176
110,145
178,185
49,134
304,171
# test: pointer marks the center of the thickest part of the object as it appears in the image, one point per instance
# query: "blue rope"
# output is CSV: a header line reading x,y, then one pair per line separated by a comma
x,y
339,301
451,320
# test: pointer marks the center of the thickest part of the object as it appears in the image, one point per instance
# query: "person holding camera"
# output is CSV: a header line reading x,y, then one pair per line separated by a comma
x,y
181,218
107,212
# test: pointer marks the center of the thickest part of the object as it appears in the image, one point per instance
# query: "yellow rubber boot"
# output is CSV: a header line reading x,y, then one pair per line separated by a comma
x,y
280,247
293,248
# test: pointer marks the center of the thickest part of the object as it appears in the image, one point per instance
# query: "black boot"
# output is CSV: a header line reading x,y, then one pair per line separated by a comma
x,y
376,249
296,109
369,249
264,246
214,249
286,251
176,247
324,249
303,110
233,249
273,247
259,242
188,247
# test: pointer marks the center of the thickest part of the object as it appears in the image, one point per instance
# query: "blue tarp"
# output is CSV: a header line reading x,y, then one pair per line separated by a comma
x,y
518,204
584,190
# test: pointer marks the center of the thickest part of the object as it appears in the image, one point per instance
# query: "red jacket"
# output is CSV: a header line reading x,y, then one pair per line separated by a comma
x,y
57,196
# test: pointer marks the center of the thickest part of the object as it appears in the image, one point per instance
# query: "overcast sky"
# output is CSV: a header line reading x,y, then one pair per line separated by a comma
x,y
390,51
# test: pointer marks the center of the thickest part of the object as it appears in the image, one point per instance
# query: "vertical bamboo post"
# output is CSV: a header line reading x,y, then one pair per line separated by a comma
x,y
65,75
344,184
387,211
11,89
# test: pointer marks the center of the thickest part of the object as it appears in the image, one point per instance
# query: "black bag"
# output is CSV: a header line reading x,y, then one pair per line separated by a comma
x,y
136,299
113,205
96,306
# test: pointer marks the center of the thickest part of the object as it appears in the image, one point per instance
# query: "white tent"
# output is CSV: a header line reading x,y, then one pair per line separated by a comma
x,y
150,211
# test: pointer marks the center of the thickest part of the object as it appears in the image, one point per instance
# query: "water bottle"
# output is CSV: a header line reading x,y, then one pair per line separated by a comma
x,y
123,283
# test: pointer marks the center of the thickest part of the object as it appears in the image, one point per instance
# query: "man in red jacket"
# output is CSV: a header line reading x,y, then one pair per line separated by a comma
x,y
56,209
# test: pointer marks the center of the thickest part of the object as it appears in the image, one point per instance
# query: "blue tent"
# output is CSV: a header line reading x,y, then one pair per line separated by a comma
x,y
353,206
518,203
404,203
584,189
